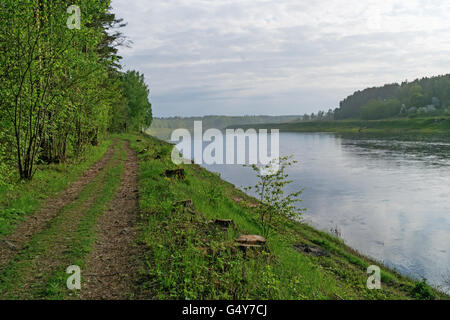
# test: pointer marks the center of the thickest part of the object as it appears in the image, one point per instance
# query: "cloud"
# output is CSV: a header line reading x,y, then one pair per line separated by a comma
x,y
278,56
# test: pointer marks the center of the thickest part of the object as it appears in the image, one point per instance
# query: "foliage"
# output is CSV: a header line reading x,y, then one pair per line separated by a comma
x,y
138,113
416,94
274,204
422,291
375,109
60,88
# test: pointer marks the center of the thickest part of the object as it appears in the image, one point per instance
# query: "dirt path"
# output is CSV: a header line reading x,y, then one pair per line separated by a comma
x,y
92,224
33,224
47,250
112,262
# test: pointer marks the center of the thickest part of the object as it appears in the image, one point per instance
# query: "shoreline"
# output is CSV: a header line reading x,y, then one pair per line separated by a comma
x,y
305,255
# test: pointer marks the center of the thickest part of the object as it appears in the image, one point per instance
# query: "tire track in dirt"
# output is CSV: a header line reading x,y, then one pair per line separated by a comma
x,y
35,223
46,251
112,264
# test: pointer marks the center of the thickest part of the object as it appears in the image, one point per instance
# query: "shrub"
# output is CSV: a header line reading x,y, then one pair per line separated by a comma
x,y
422,291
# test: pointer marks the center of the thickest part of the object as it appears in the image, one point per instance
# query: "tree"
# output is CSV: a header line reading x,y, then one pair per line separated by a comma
x,y
138,107
35,42
381,109
274,204
61,88
330,114
320,115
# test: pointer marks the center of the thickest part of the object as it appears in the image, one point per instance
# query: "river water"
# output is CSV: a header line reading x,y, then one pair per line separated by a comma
x,y
388,199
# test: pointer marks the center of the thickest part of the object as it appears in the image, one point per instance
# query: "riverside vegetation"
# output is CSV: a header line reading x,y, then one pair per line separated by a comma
x,y
188,256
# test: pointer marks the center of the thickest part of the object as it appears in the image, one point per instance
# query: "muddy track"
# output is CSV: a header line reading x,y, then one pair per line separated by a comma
x,y
112,265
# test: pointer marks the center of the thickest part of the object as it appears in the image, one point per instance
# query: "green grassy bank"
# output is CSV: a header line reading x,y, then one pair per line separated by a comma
x,y
189,257
400,126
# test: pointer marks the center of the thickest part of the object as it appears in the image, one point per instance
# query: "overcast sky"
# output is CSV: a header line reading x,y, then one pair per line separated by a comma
x,y
235,57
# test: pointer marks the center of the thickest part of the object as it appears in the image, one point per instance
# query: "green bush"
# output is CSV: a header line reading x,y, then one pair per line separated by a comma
x,y
422,291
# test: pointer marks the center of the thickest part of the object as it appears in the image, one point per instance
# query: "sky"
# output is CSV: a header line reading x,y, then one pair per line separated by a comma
x,y
278,57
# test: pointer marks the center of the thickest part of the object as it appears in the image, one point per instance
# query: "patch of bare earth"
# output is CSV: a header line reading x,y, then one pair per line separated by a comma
x,y
113,263
33,224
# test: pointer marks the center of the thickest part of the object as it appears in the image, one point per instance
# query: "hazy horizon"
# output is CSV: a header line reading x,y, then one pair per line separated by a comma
x,y
278,57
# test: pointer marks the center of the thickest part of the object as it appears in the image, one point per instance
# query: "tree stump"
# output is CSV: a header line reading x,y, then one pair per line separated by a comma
x,y
188,203
177,173
251,241
224,223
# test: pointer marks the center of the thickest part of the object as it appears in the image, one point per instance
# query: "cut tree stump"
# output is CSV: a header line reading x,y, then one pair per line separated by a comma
x,y
223,222
177,173
188,203
251,241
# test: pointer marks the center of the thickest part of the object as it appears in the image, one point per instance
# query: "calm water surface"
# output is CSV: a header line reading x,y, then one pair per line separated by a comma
x,y
389,199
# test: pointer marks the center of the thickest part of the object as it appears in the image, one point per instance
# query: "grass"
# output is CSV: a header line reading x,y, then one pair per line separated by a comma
x,y
19,199
188,257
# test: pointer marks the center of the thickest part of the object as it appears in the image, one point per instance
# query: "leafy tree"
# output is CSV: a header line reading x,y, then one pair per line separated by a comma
x,y
139,109
418,93
60,88
274,203
381,109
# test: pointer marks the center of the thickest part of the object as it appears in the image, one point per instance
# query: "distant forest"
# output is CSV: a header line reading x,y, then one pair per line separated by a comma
x,y
421,97
219,122
426,96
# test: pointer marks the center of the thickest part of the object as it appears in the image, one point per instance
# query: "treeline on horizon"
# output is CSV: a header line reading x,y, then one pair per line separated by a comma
x,y
61,84
426,96
218,122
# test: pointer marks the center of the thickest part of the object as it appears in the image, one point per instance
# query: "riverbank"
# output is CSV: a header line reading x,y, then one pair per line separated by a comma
x,y
187,256
400,126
